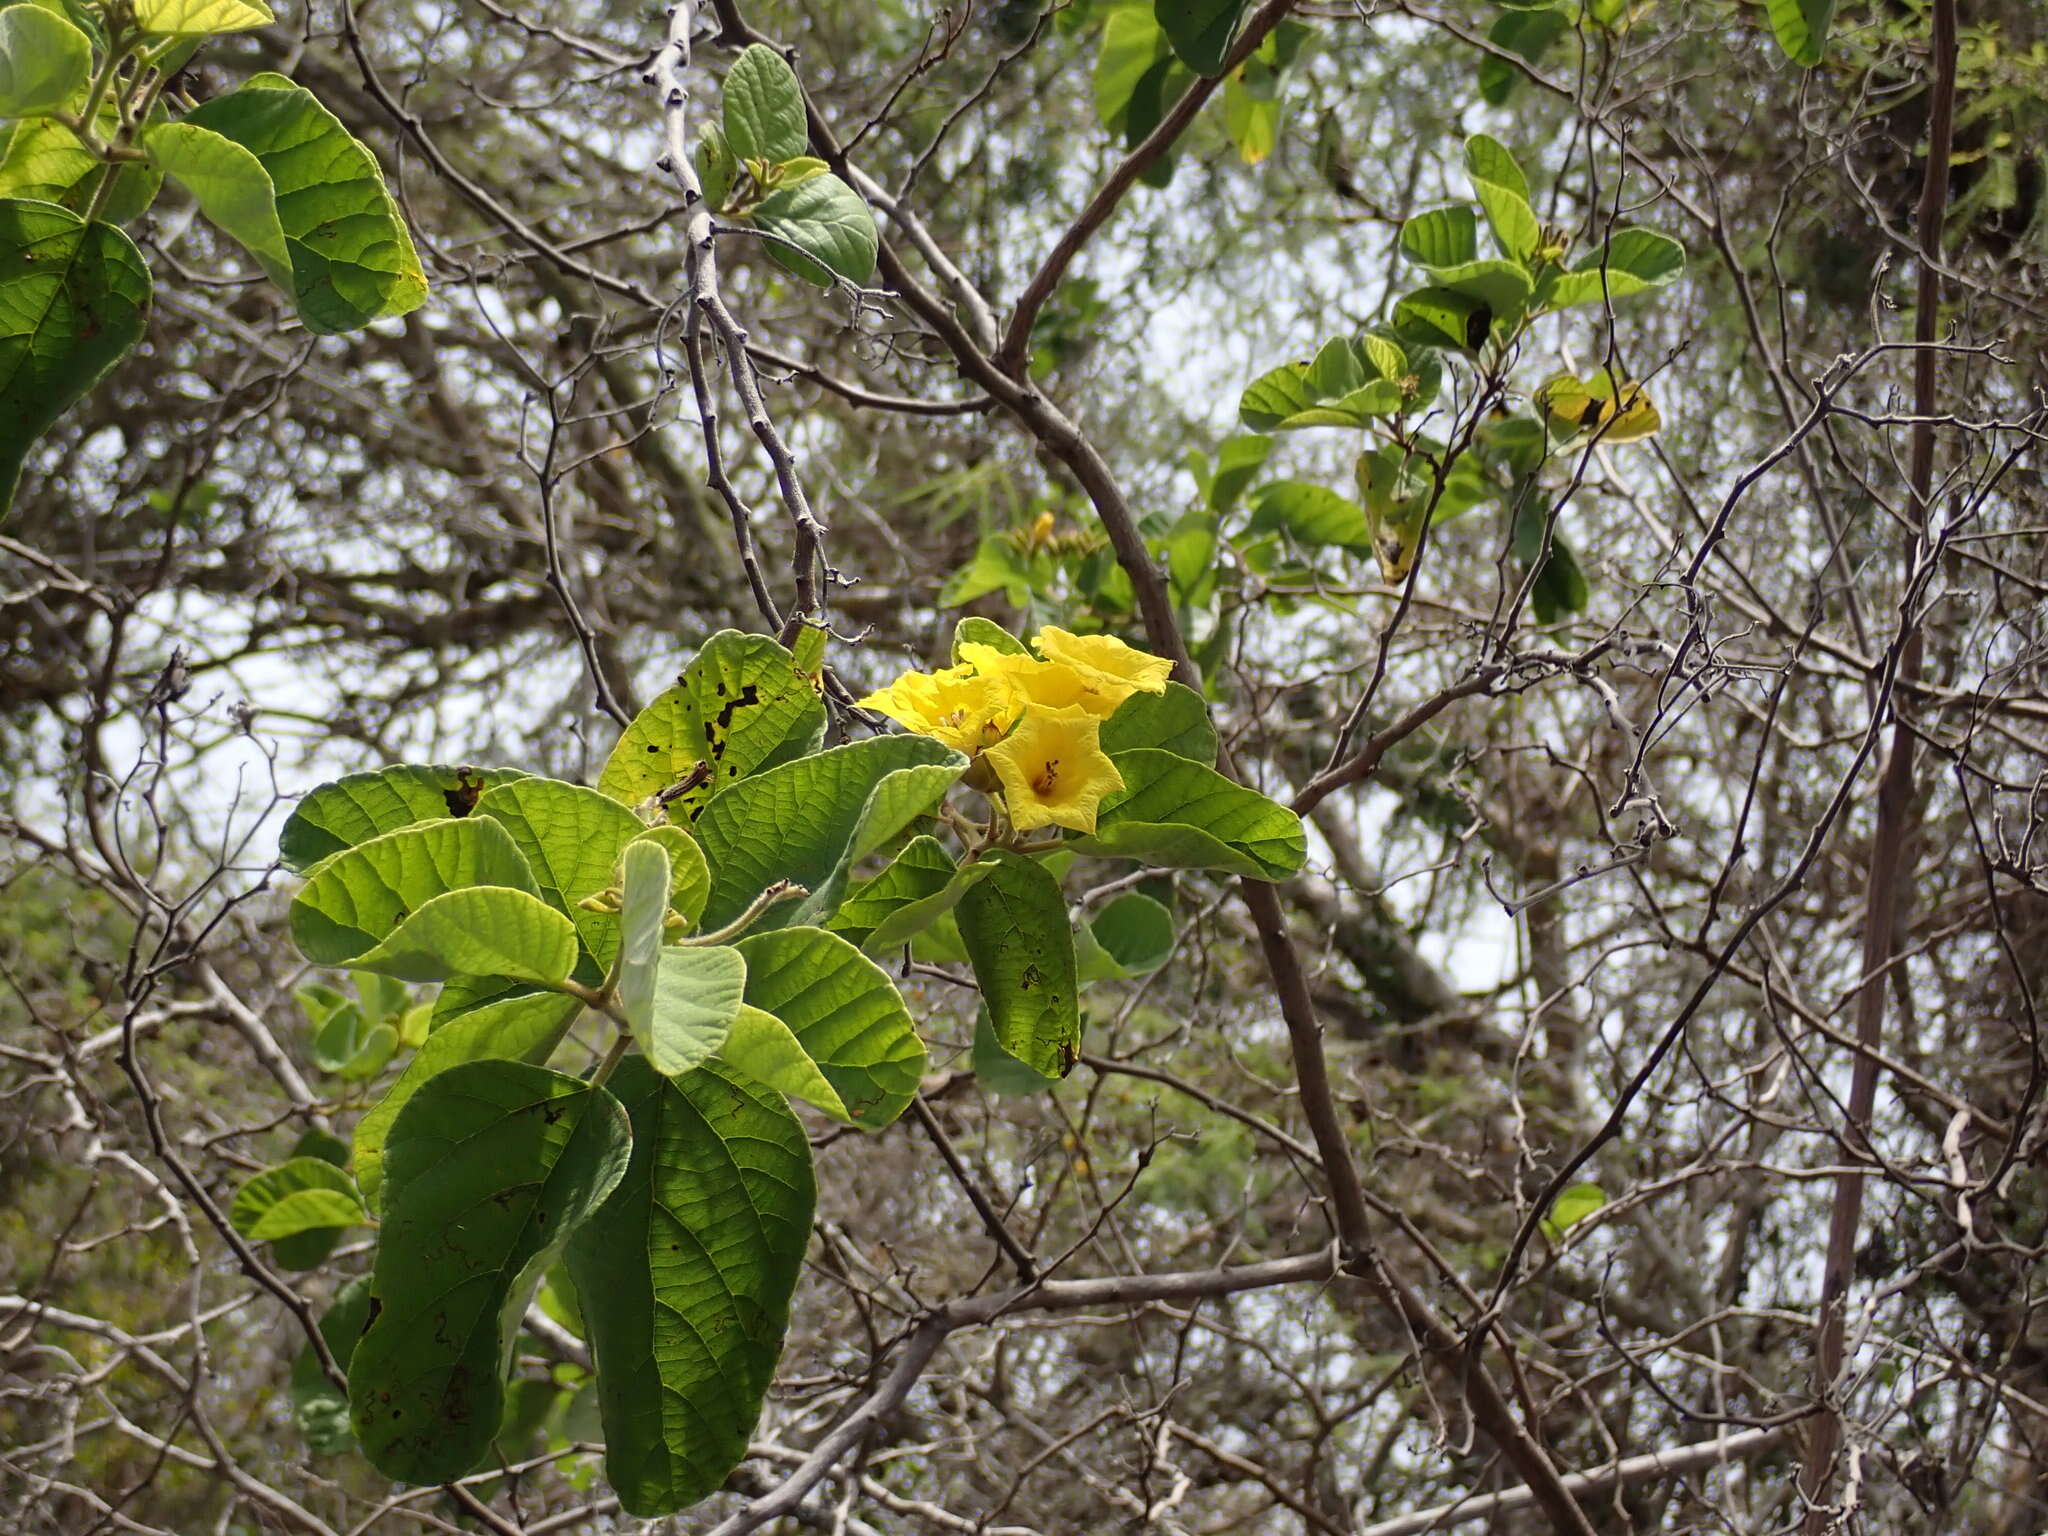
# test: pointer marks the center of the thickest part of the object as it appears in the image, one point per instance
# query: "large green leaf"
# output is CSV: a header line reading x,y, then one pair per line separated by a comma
x,y
73,297
643,905
572,838
352,901
764,107
912,891
302,1195
1177,814
230,186
200,18
845,1012
762,1047
355,808
1311,515
1631,261
1015,927
1442,237
482,930
808,820
526,1026
996,1070
44,62
1135,931
1801,28
689,872
695,1256
490,1167
740,706
1132,43
690,1007
43,161
830,228
1174,721
1503,193
1526,34
1201,31
320,1407
1348,383
352,260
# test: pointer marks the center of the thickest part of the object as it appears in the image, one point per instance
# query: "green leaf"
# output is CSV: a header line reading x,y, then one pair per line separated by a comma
x,y
353,1045
356,808
1503,194
1014,923
1177,814
490,1167
1000,1072
523,1027
1573,1205
1136,932
1175,721
1442,237
1500,288
352,901
1438,317
200,18
73,297
741,705
997,566
809,820
231,187
695,995
831,228
764,107
1801,28
689,874
318,1405
1132,44
643,905
717,167
1238,461
1527,34
887,909
1631,261
44,62
1489,160
43,161
1251,111
352,260
482,930
695,1256
571,838
762,1047
302,1195
1311,515
973,630
1286,400
1201,31
844,1011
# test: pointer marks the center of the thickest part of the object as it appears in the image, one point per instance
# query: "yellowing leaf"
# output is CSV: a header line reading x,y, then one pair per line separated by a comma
x,y
1616,410
200,18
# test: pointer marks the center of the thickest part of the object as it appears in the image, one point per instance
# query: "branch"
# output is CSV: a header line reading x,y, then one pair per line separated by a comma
x,y
1897,808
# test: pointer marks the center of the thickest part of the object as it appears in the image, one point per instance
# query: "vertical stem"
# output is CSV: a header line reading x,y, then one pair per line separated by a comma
x,y
1896,807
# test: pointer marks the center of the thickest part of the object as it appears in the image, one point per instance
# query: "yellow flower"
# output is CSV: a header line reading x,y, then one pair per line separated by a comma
x,y
964,709
1050,684
1108,657
1053,769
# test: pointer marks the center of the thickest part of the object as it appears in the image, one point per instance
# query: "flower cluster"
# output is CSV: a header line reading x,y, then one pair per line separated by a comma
x,y
1036,720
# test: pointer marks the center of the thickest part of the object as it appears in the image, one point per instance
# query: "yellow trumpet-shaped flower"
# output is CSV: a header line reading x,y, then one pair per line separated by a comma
x,y
1053,770
1106,656
1050,684
965,709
